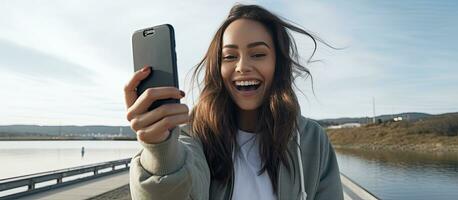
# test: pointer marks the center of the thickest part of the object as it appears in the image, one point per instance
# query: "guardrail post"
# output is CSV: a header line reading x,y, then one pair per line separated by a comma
x,y
59,180
31,184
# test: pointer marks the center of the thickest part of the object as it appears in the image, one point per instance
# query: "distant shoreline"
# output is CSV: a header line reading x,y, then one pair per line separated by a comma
x,y
436,135
425,148
42,138
429,143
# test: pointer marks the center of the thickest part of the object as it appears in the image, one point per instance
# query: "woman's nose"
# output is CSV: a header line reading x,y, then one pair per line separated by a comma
x,y
243,66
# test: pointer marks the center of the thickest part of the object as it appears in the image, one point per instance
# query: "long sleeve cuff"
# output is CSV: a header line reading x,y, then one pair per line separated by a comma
x,y
163,158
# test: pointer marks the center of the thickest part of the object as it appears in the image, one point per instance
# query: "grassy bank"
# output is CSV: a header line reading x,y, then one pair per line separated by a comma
x,y
435,134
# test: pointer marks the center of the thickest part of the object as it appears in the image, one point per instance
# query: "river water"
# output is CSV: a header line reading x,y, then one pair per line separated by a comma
x,y
398,175
27,157
388,175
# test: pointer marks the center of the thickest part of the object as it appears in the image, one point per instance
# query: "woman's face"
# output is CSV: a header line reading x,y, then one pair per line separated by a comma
x,y
248,62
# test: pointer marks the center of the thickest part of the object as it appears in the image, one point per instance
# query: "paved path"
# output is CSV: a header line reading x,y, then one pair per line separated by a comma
x,y
116,187
351,190
122,193
84,190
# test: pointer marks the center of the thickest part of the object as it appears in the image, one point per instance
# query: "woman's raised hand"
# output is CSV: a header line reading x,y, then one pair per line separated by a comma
x,y
153,126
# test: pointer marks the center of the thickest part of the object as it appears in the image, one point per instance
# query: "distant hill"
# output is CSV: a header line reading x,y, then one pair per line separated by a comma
x,y
126,131
35,130
438,133
409,116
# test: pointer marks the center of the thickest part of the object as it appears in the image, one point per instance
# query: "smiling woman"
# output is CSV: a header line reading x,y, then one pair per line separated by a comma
x,y
246,138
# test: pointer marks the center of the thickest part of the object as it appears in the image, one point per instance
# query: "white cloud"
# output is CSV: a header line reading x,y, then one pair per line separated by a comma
x,y
95,36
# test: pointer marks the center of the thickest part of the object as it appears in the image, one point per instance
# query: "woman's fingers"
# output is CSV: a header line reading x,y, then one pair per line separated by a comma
x,y
146,119
153,126
130,89
159,131
150,95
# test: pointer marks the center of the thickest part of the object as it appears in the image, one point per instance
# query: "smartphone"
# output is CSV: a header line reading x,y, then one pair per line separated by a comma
x,y
155,47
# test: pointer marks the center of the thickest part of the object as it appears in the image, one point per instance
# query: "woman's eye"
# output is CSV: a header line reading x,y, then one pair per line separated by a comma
x,y
258,55
229,57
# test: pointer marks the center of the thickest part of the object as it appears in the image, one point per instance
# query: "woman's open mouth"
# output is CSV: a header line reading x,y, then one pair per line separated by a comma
x,y
249,85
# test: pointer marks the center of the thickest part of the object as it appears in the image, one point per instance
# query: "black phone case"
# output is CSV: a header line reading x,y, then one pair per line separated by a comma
x,y
155,47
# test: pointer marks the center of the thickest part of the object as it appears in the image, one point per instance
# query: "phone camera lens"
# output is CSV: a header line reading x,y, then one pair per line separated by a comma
x,y
148,32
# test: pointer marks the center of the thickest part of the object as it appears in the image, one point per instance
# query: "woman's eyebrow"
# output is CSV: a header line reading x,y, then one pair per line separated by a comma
x,y
251,45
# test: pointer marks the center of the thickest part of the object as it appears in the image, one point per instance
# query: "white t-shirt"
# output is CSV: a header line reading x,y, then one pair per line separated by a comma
x,y
248,185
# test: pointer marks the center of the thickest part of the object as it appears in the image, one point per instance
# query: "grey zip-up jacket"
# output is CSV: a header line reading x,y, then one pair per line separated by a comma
x,y
177,169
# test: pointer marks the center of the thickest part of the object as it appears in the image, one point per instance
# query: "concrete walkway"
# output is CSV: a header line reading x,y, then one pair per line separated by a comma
x,y
84,190
116,186
352,191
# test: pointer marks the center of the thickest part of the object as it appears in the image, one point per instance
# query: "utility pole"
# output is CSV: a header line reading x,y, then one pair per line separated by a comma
x,y
373,109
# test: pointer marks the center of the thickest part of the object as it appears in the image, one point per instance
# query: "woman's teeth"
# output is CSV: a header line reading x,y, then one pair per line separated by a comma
x,y
247,85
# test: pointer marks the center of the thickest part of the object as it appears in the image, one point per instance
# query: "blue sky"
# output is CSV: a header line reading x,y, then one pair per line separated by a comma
x,y
66,62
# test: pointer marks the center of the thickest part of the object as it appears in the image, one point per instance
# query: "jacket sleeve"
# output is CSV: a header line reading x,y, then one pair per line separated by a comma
x,y
173,169
330,186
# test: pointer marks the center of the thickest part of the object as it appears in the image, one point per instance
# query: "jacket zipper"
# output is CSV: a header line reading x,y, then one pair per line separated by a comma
x,y
279,183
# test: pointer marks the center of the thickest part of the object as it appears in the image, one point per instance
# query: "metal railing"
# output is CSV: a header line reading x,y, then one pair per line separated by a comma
x,y
354,191
16,187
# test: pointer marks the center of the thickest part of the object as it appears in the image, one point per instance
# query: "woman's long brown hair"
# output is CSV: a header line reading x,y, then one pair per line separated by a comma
x,y
213,119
